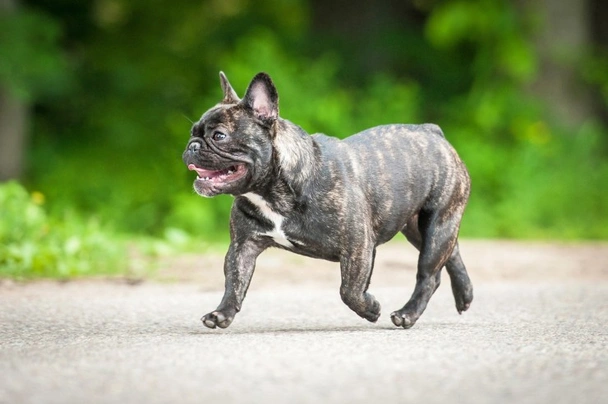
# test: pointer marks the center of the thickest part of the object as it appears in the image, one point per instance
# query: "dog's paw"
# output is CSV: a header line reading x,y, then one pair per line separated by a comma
x,y
372,314
369,309
403,319
366,306
216,319
463,299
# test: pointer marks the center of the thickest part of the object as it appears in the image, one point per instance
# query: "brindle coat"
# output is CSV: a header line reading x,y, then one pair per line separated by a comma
x,y
328,198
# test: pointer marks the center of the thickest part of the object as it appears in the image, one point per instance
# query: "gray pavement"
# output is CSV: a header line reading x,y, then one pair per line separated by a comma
x,y
523,341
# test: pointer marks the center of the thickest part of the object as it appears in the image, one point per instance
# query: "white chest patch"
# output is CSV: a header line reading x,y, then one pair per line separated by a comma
x,y
277,233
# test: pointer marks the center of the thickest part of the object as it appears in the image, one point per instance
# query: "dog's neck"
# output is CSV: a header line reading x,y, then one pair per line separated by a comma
x,y
297,153
297,162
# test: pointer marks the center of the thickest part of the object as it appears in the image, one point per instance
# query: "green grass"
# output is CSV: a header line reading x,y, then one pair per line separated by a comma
x,y
34,245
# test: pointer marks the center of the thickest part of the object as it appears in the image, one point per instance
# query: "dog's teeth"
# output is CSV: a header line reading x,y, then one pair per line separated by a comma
x,y
230,172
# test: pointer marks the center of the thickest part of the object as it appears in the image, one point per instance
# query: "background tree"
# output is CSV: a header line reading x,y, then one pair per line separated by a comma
x,y
13,117
562,40
30,70
113,85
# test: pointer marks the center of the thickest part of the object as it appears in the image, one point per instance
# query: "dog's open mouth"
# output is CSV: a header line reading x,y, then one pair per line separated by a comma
x,y
226,175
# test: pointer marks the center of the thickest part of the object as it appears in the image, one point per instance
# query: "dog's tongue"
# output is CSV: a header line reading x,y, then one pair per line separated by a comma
x,y
202,173
212,174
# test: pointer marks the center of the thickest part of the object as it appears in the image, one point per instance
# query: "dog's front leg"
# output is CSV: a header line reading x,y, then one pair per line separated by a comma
x,y
356,268
238,270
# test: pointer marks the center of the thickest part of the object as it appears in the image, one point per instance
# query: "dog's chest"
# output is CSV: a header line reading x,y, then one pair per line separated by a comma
x,y
276,233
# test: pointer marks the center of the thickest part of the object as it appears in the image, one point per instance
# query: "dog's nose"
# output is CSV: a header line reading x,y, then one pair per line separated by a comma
x,y
194,147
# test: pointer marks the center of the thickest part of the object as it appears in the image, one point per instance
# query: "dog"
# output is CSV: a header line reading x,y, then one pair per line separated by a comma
x,y
327,198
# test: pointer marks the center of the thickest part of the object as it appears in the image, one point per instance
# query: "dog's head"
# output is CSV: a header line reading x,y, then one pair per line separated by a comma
x,y
230,147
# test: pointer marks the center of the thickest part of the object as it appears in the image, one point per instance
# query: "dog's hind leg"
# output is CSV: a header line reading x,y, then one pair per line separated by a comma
x,y
412,234
438,236
462,289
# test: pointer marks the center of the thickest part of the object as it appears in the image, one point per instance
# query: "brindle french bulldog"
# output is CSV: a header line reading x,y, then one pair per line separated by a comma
x,y
328,198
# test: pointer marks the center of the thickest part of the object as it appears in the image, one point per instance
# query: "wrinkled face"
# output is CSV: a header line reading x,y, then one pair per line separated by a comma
x,y
229,149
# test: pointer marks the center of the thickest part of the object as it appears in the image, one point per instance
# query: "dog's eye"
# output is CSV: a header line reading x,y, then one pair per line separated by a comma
x,y
218,136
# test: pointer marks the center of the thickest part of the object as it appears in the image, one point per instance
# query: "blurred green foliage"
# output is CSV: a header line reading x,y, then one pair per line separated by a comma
x,y
31,65
116,84
32,244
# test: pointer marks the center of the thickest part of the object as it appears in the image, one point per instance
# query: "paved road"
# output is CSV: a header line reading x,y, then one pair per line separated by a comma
x,y
524,340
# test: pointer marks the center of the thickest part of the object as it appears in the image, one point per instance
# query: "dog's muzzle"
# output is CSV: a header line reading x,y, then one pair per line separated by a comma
x,y
194,146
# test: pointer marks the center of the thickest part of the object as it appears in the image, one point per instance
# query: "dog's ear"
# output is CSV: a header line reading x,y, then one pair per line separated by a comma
x,y
262,98
230,96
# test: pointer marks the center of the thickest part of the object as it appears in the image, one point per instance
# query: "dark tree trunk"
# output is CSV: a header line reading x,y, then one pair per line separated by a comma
x,y
599,33
13,119
562,41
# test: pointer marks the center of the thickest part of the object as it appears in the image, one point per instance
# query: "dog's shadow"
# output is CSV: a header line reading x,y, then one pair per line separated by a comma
x,y
319,329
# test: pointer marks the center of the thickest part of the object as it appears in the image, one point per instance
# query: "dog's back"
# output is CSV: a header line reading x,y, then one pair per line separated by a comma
x,y
402,169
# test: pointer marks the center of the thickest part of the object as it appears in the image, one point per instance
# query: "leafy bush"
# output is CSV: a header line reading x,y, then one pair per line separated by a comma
x,y
548,185
34,245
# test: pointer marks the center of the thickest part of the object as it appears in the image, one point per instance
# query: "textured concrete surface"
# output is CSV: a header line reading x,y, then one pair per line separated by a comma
x,y
531,336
